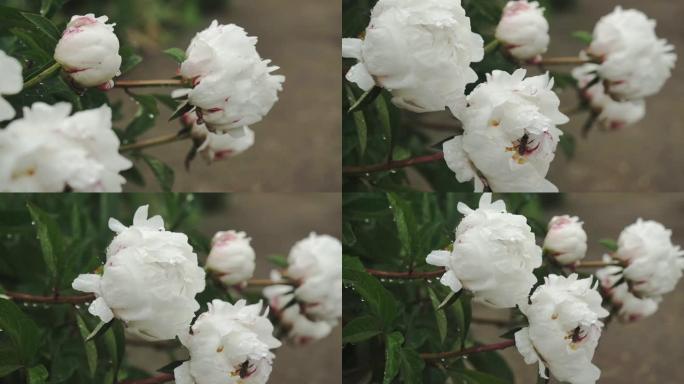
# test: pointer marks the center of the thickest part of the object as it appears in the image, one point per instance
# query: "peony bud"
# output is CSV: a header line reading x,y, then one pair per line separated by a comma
x,y
564,329
229,343
231,257
565,240
11,83
89,51
149,280
232,85
493,256
523,30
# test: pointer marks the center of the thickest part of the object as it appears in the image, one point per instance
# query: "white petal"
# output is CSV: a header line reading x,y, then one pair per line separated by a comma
x,y
87,283
438,258
359,74
100,309
6,110
115,225
450,280
140,215
180,93
181,374
351,48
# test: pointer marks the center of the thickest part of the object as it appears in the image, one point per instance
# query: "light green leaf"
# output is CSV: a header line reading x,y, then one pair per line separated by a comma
x,y
278,260
100,329
177,54
610,244
51,241
359,121
583,36
366,99
393,343
37,375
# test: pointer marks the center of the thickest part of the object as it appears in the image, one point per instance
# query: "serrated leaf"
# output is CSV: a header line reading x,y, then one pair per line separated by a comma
x,y
393,343
89,345
176,54
361,329
366,99
164,174
100,329
610,244
583,36
440,316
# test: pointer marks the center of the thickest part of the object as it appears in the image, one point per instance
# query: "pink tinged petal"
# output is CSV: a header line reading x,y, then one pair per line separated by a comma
x,y
100,309
87,283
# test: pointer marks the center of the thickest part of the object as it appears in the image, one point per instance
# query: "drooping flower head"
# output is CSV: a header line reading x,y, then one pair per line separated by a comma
x,y
629,307
420,50
89,51
231,257
11,82
493,255
510,134
523,30
149,280
49,151
229,344
564,329
233,86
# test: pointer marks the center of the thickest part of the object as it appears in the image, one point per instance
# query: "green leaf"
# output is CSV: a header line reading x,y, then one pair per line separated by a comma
x,y
168,368
384,117
510,334
359,122
100,329
24,334
129,59
352,263
610,244
177,54
278,260
37,375
45,26
89,345
412,366
440,316
167,100
405,222
492,363
51,242
382,303
568,144
45,7
366,99
144,118
451,298
393,343
6,369
467,317
361,329
182,110
583,36
161,171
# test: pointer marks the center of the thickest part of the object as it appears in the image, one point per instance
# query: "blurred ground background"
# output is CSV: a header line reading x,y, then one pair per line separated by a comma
x,y
648,351
275,222
641,158
298,144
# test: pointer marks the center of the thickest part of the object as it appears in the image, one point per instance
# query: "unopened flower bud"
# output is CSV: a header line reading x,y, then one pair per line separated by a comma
x,y
231,257
565,240
523,30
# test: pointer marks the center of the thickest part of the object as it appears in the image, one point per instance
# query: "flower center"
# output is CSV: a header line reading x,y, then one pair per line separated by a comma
x,y
523,148
244,370
576,337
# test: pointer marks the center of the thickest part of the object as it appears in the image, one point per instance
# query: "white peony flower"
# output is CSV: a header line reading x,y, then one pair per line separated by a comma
x,y
629,307
49,151
635,63
564,329
11,83
231,257
523,30
510,134
232,85
219,146
566,240
654,263
149,281
493,256
89,51
315,264
420,50
229,344
611,114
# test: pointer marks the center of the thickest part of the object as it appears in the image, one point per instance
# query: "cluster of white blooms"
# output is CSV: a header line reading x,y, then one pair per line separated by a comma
x,y
510,134
49,151
629,307
493,255
564,329
149,280
610,113
634,62
566,240
231,257
89,51
11,83
420,50
228,344
523,30
232,85
315,266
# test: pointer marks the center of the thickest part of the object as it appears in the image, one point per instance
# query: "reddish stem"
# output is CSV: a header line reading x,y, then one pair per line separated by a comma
x,y
147,83
28,298
468,351
388,166
406,275
160,378
573,60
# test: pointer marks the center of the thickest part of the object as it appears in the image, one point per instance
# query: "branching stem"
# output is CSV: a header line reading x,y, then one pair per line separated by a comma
x,y
405,275
54,299
572,60
147,83
42,76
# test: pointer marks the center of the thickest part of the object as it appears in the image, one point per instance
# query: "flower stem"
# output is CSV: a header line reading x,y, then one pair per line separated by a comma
x,y
572,60
595,264
491,46
361,169
160,378
147,83
467,351
54,299
155,141
42,76
267,282
405,275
